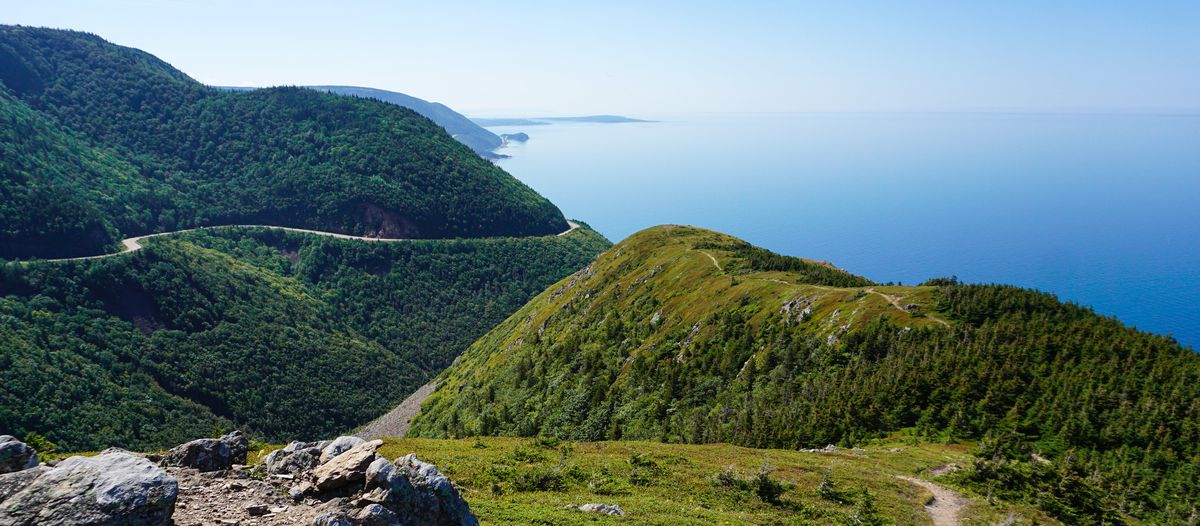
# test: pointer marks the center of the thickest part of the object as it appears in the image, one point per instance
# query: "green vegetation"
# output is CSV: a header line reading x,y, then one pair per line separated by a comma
x,y
676,335
527,481
102,142
286,335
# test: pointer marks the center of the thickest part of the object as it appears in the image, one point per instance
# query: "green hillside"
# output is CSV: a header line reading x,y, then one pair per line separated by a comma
x,y
680,334
286,335
140,147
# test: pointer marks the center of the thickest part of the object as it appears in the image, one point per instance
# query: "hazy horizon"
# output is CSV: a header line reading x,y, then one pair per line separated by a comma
x,y
524,58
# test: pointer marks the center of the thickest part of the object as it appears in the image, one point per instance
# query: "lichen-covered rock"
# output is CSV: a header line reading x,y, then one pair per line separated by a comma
x,y
10,483
376,515
595,507
338,446
297,457
435,501
15,455
113,488
209,454
346,468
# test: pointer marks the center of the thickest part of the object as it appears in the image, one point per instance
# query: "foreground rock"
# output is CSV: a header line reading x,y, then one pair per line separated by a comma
x,y
209,454
115,487
361,487
15,455
353,486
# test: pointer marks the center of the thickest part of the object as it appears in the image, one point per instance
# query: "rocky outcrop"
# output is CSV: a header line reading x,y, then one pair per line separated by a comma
x,y
360,487
15,455
338,446
209,454
297,457
347,468
355,487
115,487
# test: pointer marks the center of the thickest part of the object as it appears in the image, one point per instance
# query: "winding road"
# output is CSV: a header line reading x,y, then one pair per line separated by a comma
x,y
134,244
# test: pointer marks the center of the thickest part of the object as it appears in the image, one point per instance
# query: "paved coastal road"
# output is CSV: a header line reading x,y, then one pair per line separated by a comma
x,y
134,244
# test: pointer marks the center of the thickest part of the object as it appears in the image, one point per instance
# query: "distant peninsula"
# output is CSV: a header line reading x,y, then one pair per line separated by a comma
x,y
542,121
456,124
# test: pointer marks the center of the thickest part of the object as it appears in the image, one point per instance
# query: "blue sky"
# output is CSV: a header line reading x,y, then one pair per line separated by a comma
x,y
628,57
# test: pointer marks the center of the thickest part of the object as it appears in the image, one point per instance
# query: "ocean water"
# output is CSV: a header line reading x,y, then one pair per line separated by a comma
x,y
1100,210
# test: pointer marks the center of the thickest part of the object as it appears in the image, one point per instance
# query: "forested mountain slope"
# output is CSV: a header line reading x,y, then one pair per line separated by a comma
x,y
286,335
456,124
158,151
685,335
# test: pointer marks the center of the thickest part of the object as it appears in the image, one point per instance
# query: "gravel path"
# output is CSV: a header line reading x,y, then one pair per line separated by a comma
x,y
946,504
395,423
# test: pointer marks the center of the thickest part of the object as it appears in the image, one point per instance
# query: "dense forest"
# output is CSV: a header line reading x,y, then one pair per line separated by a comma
x,y
287,335
656,341
103,142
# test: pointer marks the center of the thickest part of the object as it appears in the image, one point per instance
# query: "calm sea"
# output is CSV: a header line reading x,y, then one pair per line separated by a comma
x,y
1098,209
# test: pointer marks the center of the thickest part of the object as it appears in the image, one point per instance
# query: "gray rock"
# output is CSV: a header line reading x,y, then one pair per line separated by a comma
x,y
338,446
346,468
15,455
10,483
435,501
209,454
113,488
256,509
297,457
331,519
595,507
376,515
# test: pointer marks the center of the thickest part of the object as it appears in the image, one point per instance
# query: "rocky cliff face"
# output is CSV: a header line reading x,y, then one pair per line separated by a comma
x,y
342,482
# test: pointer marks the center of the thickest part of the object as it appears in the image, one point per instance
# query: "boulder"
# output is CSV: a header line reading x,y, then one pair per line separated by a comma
x,y
435,501
209,454
15,455
595,507
346,468
384,484
331,519
376,515
338,446
297,457
11,483
113,488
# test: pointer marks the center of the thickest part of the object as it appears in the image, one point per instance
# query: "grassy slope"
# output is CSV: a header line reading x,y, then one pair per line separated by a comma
x,y
657,341
681,490
689,289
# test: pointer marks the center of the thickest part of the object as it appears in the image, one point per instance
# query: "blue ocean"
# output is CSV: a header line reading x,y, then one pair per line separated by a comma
x,y
1100,210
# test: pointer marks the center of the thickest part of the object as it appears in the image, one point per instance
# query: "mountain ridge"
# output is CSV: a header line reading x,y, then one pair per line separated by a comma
x,y
680,334
200,156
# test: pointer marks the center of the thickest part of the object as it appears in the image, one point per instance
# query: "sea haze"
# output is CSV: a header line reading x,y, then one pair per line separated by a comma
x,y
1097,209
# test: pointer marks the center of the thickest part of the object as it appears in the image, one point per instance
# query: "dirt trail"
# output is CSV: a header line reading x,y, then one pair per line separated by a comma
x,y
714,261
395,423
946,504
895,301
134,244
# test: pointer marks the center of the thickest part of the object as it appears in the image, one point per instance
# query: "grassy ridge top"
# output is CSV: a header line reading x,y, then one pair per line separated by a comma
x,y
521,481
203,156
680,334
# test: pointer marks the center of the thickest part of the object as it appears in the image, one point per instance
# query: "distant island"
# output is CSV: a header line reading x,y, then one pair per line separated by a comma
x,y
543,121
514,137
